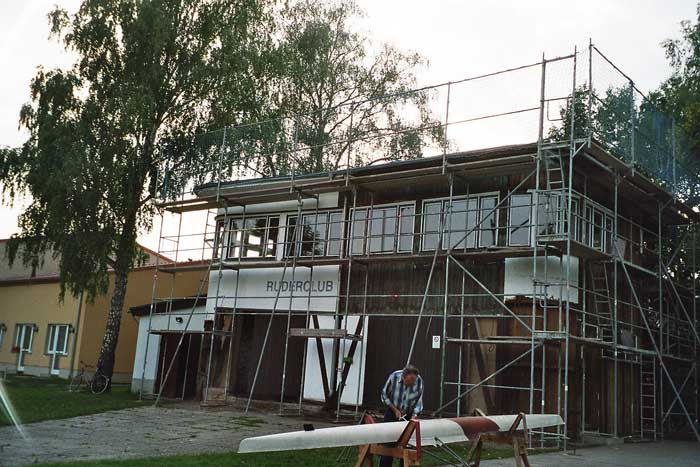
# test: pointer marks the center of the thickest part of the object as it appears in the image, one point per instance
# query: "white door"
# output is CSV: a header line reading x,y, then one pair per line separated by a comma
x,y
57,345
24,338
354,384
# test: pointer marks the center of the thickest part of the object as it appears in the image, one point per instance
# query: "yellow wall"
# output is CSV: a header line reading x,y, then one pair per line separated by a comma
x,y
38,303
139,292
34,304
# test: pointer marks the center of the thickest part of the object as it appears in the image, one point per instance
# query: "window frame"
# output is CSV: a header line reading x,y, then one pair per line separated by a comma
x,y
18,333
51,338
366,238
231,245
529,207
477,231
296,243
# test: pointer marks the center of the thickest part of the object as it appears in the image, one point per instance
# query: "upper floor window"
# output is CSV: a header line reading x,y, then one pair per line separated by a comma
x,y
3,330
519,213
318,234
460,222
253,237
382,229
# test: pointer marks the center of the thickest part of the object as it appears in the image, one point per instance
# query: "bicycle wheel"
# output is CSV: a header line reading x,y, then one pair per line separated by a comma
x,y
99,384
75,382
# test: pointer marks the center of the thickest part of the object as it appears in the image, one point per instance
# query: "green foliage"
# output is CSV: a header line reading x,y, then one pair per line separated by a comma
x,y
331,98
100,131
39,399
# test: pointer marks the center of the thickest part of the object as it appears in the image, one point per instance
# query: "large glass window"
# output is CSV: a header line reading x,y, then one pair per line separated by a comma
x,y
519,219
489,221
432,226
548,213
253,237
609,234
382,229
597,227
460,222
218,240
586,225
320,235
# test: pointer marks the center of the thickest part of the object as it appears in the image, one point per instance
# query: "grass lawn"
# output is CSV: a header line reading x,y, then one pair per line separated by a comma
x,y
316,458
37,399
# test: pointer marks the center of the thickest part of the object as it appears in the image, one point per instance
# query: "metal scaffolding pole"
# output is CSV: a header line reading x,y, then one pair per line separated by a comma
x,y
656,348
445,308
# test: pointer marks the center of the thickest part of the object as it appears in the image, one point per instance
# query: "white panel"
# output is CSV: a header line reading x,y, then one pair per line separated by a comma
x,y
160,322
258,289
326,201
518,276
313,386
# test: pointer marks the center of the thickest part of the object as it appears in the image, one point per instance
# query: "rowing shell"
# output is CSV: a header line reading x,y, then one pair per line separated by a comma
x,y
441,430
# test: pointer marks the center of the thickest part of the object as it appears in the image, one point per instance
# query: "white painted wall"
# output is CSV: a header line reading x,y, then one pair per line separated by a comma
x,y
159,322
519,276
258,289
313,386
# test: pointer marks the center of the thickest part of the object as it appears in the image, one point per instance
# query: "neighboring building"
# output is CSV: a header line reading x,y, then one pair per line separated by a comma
x,y
40,335
492,269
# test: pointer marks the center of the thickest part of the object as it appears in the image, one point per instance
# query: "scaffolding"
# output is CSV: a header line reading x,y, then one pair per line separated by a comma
x,y
611,296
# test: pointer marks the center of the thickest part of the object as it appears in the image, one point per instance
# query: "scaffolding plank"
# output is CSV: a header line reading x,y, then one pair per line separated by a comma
x,y
312,333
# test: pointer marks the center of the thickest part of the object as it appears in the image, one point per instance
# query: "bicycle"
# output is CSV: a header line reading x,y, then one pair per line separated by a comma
x,y
97,384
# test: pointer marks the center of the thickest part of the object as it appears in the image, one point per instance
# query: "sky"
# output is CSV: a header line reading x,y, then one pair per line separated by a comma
x,y
458,38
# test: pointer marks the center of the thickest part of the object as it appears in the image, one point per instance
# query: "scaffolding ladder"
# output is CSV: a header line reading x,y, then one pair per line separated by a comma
x,y
603,307
647,397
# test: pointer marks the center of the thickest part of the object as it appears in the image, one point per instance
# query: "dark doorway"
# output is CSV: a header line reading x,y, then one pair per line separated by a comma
x,y
182,381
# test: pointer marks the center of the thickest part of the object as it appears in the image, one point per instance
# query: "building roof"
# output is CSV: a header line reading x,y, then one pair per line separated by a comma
x,y
496,161
49,269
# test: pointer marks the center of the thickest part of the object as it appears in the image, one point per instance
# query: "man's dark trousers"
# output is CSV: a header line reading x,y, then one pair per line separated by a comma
x,y
389,416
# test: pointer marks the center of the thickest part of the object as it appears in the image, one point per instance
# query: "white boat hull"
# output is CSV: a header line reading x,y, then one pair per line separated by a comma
x,y
445,430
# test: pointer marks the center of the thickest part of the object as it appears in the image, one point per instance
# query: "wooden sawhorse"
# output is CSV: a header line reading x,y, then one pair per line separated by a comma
x,y
410,455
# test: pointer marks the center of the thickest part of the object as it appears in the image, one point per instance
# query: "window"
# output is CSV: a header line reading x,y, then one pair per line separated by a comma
x,y
489,221
321,234
406,218
432,226
218,243
382,229
548,213
253,237
609,234
519,219
576,220
598,229
461,219
24,337
57,339
586,227
3,329
460,222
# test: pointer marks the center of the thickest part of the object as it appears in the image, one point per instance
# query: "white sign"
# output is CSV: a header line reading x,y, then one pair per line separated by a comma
x,y
267,288
436,342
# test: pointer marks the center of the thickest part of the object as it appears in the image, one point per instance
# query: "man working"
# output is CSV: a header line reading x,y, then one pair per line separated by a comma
x,y
403,395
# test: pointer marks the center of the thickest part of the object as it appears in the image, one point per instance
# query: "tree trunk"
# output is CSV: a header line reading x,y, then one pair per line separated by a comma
x,y
105,363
